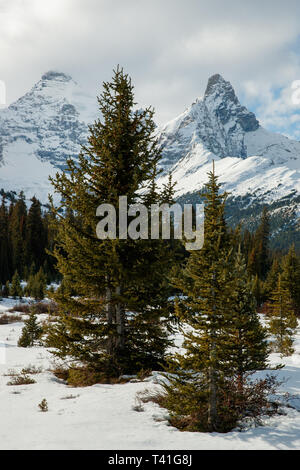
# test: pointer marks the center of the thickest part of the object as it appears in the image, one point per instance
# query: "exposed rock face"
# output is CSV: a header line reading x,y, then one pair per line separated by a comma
x,y
49,118
218,120
255,165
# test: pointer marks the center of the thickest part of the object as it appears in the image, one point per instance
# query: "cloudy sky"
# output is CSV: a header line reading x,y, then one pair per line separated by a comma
x,y
169,47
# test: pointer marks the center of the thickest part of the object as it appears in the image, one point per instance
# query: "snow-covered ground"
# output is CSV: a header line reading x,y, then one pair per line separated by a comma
x,y
102,416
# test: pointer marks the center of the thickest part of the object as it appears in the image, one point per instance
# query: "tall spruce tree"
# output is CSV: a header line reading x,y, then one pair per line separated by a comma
x,y
17,231
224,339
35,237
259,256
272,277
115,323
5,262
283,321
291,277
204,283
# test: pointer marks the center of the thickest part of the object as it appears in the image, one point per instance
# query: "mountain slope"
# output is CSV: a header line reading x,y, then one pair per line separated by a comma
x,y
256,166
40,131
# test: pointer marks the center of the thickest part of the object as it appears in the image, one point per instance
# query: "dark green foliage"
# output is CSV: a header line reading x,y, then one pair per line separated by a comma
x,y
291,277
15,288
224,340
116,322
283,321
25,236
36,285
35,236
31,332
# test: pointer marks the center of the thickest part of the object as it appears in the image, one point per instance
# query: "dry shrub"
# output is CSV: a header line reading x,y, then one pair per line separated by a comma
x,y
39,308
143,374
237,408
85,377
7,319
22,379
32,370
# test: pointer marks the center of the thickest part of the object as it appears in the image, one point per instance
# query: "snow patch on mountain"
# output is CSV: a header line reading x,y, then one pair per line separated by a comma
x,y
249,159
41,130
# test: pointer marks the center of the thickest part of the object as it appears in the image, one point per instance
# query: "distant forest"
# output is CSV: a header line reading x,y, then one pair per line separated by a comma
x,y
26,235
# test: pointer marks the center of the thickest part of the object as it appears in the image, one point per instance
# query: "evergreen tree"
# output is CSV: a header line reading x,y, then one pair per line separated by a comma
x,y
5,265
272,277
17,230
115,322
283,321
205,285
6,289
259,256
224,339
257,289
31,331
15,288
36,285
35,238
291,277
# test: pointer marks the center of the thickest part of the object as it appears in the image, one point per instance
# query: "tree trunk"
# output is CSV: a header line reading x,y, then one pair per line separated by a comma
x,y
110,319
212,405
120,320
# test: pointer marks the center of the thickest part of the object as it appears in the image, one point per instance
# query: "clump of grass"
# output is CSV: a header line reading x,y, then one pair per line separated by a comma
x,y
148,396
32,370
85,377
39,308
21,379
143,374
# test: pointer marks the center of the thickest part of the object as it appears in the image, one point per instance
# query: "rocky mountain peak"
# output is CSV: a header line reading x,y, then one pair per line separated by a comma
x,y
222,101
216,84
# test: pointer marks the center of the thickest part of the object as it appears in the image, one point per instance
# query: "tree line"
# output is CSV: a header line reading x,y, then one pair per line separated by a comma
x,y
26,235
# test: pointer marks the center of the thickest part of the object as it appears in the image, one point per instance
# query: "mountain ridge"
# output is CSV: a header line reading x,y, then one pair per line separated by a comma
x,y
47,125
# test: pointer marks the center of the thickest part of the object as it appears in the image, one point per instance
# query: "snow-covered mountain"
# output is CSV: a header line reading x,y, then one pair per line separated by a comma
x,y
49,123
40,131
255,165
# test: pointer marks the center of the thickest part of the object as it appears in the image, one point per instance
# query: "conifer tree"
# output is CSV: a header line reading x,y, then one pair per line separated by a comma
x,y
204,283
283,321
272,277
115,322
6,289
257,289
5,265
17,230
36,285
35,237
31,331
15,288
224,340
291,277
259,256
